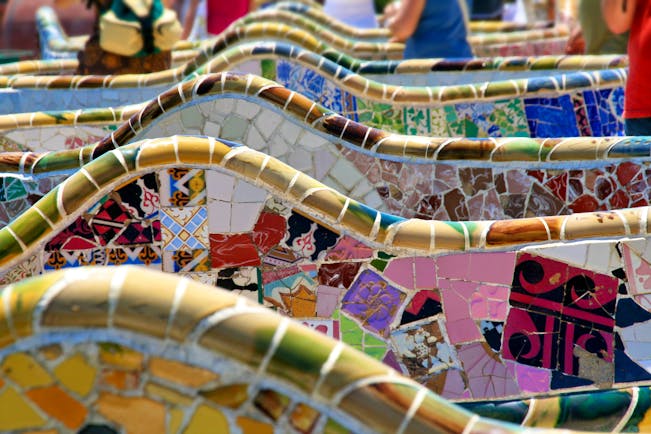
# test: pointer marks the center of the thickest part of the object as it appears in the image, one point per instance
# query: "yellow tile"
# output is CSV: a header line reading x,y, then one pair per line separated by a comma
x,y
25,371
180,373
119,356
167,394
207,419
76,374
231,396
252,426
135,415
175,419
17,413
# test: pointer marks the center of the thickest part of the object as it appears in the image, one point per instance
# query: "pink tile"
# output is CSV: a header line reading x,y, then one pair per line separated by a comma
x,y
462,331
455,387
487,376
455,305
490,302
479,306
327,299
454,266
401,271
531,379
425,273
638,271
492,268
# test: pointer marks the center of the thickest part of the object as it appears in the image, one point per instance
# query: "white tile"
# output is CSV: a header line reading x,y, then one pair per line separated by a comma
x,y
244,216
267,122
346,173
224,106
219,186
290,131
211,129
245,192
247,109
254,140
219,217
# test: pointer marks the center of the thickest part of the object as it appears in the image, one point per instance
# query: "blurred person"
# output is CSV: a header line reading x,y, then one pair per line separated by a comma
x,y
634,16
219,13
430,28
487,10
592,35
119,44
356,13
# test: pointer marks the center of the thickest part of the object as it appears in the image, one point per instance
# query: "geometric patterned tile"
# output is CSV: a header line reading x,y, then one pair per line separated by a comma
x,y
182,187
184,228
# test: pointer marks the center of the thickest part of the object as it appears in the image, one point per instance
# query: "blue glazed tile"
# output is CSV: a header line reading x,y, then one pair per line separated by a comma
x,y
551,117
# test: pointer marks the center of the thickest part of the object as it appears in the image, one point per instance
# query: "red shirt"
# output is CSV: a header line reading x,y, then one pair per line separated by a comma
x,y
221,13
637,102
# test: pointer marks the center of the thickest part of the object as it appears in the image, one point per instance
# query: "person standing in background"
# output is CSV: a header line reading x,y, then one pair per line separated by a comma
x,y
219,14
430,28
356,13
634,16
592,35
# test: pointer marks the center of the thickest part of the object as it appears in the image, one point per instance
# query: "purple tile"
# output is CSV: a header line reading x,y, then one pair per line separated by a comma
x,y
373,301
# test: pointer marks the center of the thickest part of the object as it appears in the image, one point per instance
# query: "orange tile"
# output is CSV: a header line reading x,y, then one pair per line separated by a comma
x,y
121,380
232,395
303,418
134,415
51,352
180,373
272,403
59,405
252,426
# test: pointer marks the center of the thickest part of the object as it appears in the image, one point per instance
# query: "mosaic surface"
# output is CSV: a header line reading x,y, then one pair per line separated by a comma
x,y
513,178
537,321
449,304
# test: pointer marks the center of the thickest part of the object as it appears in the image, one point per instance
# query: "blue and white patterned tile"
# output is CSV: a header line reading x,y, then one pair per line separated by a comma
x,y
184,228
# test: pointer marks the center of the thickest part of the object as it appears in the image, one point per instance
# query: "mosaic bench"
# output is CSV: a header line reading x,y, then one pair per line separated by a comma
x,y
95,351
531,42
412,176
552,106
474,310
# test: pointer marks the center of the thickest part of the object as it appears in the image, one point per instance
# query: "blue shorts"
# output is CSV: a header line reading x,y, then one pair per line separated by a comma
x,y
638,127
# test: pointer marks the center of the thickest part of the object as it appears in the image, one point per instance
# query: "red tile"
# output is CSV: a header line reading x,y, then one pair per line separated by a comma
x,y
236,250
269,231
